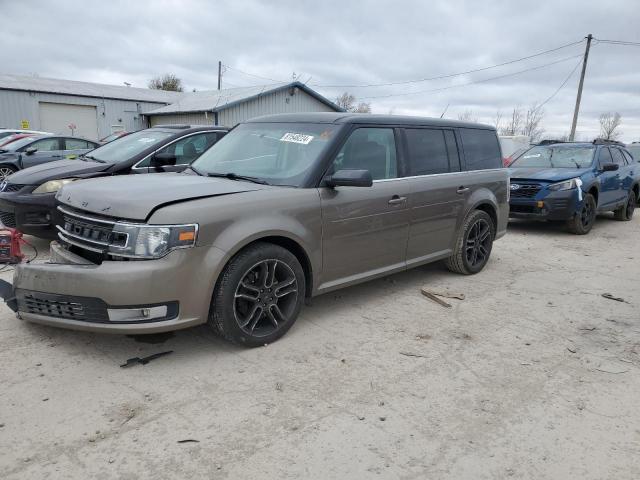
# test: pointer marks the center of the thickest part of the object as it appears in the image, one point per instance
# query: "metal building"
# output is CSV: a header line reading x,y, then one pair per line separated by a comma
x,y
234,105
69,107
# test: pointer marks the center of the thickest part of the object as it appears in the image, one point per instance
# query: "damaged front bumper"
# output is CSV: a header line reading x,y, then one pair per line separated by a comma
x,y
130,297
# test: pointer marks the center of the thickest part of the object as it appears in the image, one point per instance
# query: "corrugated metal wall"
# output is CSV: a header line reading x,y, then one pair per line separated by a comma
x,y
16,106
278,102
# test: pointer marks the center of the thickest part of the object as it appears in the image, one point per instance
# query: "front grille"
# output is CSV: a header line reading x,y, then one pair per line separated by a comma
x,y
93,233
525,190
8,219
13,187
85,309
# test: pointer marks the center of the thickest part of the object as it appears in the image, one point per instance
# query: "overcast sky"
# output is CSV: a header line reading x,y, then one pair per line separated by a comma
x,y
347,43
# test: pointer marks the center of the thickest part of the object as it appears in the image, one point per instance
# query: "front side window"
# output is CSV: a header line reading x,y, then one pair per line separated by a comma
x,y
427,151
125,148
604,157
372,149
46,145
481,148
559,156
278,153
187,149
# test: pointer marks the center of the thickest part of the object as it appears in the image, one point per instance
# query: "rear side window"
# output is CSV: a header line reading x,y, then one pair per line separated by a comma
x,y
481,149
427,151
628,156
617,156
76,144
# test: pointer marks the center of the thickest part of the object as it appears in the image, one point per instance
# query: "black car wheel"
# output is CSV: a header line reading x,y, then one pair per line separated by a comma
x,y
259,295
582,222
625,212
5,171
474,243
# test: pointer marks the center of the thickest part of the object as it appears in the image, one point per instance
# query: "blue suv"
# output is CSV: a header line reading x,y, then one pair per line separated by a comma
x,y
573,182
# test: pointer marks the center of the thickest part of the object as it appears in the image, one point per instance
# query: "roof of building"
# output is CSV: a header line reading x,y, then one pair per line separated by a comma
x,y
216,100
85,89
367,118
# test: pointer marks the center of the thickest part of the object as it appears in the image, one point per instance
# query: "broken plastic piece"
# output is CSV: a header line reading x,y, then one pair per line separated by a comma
x,y
144,360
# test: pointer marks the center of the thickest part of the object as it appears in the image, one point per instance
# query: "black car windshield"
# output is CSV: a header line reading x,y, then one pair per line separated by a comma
x,y
277,153
634,148
125,148
555,156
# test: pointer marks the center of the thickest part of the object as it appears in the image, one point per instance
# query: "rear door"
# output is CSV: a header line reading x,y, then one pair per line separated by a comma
x,y
437,201
365,229
609,181
48,150
625,175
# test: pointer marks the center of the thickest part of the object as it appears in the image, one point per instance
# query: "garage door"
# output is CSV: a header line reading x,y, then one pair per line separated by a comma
x,y
56,118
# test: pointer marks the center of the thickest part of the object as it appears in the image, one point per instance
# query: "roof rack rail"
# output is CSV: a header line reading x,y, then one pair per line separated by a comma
x,y
176,127
550,141
604,141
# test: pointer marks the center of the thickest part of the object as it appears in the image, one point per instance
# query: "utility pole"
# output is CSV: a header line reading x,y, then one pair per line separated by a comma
x,y
579,97
220,74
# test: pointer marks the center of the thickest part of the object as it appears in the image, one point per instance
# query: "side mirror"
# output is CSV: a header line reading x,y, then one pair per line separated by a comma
x,y
31,150
160,160
350,178
610,167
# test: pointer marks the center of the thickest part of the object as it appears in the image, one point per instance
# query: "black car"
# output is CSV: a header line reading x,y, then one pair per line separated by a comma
x,y
27,198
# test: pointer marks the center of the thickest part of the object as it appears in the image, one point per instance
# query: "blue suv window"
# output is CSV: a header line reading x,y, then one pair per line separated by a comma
x,y
604,157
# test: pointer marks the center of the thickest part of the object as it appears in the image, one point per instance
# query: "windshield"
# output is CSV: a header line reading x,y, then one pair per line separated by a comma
x,y
111,137
122,149
278,153
635,151
558,156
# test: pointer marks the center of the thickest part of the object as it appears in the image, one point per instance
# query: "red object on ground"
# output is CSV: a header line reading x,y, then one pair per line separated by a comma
x,y
10,240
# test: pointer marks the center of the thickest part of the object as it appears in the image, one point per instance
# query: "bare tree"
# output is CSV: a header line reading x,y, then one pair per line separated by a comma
x,y
167,81
497,120
609,123
532,122
347,101
468,116
514,124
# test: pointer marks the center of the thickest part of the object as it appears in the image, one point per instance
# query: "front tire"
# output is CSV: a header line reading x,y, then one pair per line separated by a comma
x,y
473,245
6,171
582,222
625,212
258,296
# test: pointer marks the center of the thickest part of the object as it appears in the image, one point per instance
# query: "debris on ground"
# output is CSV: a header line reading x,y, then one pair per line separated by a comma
x,y
434,296
611,297
409,354
189,440
144,360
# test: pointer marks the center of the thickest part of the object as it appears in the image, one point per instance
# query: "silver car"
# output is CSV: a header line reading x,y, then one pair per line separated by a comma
x,y
282,208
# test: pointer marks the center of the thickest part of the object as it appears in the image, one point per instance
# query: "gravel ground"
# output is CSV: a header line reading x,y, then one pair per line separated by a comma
x,y
534,375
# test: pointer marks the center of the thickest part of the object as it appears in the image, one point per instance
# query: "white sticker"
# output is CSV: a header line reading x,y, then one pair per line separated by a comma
x,y
146,140
534,155
297,138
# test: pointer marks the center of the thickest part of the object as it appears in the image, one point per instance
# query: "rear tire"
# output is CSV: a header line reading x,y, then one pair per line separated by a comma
x,y
582,222
258,296
625,212
473,245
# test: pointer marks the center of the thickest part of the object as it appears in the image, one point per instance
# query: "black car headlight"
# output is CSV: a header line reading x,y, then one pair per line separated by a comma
x,y
150,241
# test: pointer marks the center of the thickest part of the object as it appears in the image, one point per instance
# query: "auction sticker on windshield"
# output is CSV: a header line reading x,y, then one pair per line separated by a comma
x,y
297,138
146,140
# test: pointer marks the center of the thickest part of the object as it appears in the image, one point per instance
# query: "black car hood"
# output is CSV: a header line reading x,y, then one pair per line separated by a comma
x,y
135,197
59,169
546,174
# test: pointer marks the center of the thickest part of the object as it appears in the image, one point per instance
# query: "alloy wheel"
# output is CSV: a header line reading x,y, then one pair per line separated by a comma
x,y
478,243
265,298
586,214
4,173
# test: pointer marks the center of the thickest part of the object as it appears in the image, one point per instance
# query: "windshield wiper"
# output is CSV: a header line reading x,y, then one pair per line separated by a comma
x,y
234,176
92,158
197,172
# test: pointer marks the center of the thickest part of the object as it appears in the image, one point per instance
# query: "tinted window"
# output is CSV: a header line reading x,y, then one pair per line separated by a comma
x,y
481,149
46,145
372,149
427,151
76,144
604,156
187,149
617,156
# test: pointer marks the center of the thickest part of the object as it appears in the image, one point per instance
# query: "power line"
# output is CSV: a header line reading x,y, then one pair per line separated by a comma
x,y
562,84
475,81
618,42
253,75
449,75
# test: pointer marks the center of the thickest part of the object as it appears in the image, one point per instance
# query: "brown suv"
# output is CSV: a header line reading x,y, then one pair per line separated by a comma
x,y
284,207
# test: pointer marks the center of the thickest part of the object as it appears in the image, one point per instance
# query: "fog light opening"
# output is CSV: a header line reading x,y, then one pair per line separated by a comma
x,y
136,314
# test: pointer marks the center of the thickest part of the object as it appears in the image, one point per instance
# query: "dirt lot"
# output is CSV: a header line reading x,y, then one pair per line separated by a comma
x,y
534,375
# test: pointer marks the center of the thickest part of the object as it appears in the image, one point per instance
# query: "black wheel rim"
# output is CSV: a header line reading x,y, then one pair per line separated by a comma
x,y
265,298
586,214
4,173
478,243
631,205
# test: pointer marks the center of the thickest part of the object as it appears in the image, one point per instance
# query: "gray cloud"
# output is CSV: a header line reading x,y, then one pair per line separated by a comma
x,y
334,42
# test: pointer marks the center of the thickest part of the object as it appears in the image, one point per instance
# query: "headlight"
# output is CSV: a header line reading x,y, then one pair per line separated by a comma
x,y
53,185
567,185
150,241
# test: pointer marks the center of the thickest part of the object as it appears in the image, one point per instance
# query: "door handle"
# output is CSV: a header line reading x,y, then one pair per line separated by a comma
x,y
462,189
397,200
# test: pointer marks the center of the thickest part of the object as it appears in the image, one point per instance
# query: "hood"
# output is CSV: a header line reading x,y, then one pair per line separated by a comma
x,y
59,169
135,197
546,174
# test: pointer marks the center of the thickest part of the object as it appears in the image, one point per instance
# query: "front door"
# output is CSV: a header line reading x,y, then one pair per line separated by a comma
x,y
609,181
48,150
365,229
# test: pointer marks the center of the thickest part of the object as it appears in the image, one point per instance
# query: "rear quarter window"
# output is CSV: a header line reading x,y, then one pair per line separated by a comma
x,y
481,149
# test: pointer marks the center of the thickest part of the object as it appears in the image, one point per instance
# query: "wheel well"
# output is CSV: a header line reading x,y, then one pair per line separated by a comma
x,y
488,208
594,191
299,253
636,190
